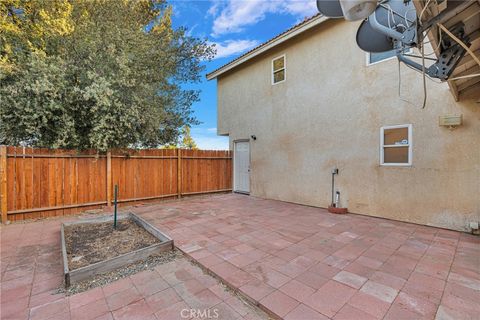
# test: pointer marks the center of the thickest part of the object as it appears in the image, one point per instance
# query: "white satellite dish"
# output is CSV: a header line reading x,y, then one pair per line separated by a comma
x,y
357,9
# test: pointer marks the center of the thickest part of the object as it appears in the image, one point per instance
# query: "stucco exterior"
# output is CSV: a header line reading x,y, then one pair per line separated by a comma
x,y
329,112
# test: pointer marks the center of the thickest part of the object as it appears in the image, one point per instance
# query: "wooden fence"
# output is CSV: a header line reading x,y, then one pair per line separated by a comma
x,y
37,182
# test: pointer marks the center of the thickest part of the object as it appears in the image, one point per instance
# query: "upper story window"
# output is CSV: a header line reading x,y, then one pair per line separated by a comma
x,y
376,57
278,70
396,145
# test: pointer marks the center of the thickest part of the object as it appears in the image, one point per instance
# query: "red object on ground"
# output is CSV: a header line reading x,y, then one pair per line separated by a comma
x,y
337,210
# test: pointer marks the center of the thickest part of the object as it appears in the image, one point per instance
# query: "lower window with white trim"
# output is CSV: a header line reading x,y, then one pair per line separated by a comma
x,y
376,57
396,145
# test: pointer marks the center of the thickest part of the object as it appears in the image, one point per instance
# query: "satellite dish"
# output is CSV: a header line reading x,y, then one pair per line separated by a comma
x,y
349,9
354,10
370,40
392,25
394,15
330,8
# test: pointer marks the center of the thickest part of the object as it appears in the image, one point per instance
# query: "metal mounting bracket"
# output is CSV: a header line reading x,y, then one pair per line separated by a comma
x,y
450,55
408,36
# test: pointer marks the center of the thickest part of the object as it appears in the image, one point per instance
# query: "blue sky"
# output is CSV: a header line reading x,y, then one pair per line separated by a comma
x,y
235,26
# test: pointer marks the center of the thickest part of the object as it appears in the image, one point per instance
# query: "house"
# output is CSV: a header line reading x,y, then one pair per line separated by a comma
x,y
309,100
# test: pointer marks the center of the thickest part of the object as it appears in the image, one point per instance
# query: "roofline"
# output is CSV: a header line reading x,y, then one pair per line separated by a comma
x,y
267,46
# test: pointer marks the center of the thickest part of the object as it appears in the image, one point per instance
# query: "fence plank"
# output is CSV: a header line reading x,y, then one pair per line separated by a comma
x,y
179,173
109,178
3,182
39,182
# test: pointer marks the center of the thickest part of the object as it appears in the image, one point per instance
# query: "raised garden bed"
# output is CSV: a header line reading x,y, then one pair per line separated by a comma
x,y
92,247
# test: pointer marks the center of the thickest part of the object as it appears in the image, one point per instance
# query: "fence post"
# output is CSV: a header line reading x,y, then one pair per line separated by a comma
x,y
3,182
109,178
179,173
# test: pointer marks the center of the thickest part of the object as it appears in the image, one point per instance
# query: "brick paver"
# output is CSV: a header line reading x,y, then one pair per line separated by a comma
x,y
336,266
294,261
169,291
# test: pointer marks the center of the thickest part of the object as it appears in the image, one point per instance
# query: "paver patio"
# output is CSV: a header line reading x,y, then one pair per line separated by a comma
x,y
31,272
300,262
295,262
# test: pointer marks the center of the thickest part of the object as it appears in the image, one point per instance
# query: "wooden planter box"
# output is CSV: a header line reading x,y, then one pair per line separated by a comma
x,y
72,276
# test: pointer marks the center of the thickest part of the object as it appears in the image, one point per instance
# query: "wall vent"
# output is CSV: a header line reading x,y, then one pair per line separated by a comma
x,y
450,120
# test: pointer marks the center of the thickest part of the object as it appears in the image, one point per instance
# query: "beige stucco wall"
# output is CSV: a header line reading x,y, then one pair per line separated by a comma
x,y
329,112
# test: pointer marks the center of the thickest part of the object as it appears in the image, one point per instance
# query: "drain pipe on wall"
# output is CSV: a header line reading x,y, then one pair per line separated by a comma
x,y
337,199
334,207
334,172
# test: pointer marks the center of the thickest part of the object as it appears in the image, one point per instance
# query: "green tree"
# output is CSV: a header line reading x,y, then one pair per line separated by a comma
x,y
36,109
112,81
187,140
29,26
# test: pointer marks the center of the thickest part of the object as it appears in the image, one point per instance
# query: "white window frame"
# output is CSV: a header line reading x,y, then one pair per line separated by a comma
x,y
409,145
377,62
284,69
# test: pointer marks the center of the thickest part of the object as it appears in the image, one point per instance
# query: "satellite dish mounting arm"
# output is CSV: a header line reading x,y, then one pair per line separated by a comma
x,y
450,55
408,37
450,52
382,32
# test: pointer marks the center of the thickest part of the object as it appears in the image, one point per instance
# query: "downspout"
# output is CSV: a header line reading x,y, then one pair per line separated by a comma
x,y
334,172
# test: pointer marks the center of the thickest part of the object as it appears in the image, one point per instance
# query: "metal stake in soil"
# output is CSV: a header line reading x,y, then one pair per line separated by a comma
x,y
115,207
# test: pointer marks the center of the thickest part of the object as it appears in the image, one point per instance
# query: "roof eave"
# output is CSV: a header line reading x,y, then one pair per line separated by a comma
x,y
267,46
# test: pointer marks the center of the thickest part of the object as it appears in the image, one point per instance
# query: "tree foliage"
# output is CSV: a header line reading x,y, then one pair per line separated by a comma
x,y
187,140
96,74
29,26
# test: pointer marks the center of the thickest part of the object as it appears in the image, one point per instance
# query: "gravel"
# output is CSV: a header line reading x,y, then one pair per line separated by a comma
x,y
122,272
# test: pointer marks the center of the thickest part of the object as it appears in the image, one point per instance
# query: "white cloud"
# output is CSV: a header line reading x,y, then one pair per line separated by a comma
x,y
213,10
232,47
214,130
189,32
237,14
234,15
301,8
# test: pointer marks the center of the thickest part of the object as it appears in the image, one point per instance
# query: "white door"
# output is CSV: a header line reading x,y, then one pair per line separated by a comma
x,y
241,171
